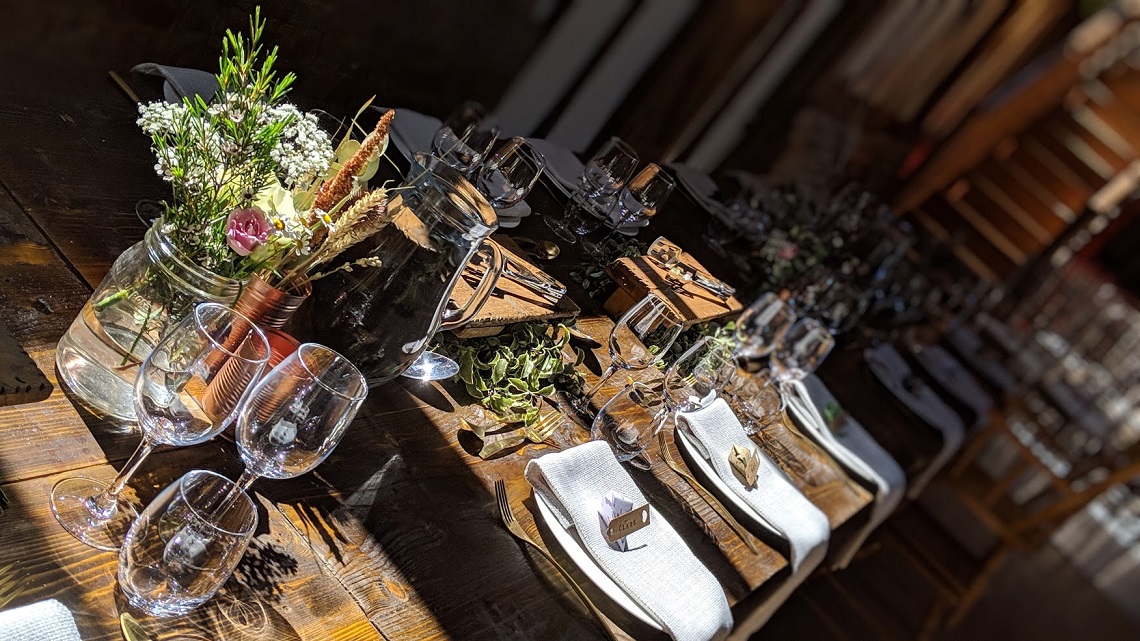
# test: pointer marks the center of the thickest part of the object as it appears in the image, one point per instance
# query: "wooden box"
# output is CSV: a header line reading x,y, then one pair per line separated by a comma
x,y
637,277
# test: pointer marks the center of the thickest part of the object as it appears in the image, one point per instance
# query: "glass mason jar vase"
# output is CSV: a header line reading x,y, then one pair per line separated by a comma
x,y
151,286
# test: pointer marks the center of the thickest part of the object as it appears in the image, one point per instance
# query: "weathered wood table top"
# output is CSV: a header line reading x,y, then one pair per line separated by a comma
x,y
396,535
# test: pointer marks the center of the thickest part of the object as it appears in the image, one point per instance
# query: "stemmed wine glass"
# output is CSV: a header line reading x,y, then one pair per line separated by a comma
x,y
189,389
465,138
642,335
699,375
605,174
628,422
298,413
755,399
639,201
762,326
806,346
510,173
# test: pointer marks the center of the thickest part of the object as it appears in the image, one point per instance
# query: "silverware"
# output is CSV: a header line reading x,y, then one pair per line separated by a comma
x,y
516,528
668,256
705,494
540,249
550,289
543,428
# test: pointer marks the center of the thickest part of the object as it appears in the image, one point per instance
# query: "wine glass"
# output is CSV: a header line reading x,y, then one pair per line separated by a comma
x,y
699,375
641,336
628,422
605,174
298,413
189,389
185,545
808,342
640,200
510,173
762,325
755,399
465,138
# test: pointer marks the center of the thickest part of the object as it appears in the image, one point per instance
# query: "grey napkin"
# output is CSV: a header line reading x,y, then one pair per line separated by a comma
x,y
855,449
413,131
181,82
889,366
698,184
944,368
658,571
41,621
716,429
561,163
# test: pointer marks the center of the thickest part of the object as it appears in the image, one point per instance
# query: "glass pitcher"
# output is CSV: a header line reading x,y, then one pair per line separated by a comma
x,y
382,315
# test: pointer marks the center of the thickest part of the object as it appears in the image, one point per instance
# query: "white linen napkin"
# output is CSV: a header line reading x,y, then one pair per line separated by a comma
x,y
716,429
853,448
561,163
944,368
658,571
889,366
413,131
46,620
698,184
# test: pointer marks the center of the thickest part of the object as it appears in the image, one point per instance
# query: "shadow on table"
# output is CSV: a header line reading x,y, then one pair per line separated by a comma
x,y
235,612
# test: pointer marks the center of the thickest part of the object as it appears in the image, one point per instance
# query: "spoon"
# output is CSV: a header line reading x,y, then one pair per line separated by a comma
x,y
541,249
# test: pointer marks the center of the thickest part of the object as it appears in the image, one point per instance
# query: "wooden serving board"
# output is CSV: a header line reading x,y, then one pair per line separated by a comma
x,y
20,380
637,277
511,302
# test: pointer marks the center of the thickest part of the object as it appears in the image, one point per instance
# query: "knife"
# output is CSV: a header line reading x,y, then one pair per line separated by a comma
x,y
668,256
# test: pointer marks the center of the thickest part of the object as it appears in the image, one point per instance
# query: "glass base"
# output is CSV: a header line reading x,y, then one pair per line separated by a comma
x,y
559,229
69,504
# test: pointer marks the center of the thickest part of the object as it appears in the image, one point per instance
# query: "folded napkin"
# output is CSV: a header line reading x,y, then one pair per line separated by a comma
x,y
698,184
561,163
889,366
413,131
181,82
715,429
517,210
855,450
658,571
944,368
41,621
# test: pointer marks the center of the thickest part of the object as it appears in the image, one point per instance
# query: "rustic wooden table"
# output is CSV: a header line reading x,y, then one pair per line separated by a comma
x,y
396,535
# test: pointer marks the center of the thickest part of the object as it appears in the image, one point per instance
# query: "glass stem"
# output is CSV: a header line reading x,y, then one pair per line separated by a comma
x,y
104,503
246,479
610,371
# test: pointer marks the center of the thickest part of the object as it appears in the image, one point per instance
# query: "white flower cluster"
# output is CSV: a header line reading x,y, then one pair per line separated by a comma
x,y
160,118
304,149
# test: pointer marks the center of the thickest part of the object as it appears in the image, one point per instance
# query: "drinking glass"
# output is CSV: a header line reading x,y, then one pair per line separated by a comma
x,y
639,201
465,138
808,342
641,336
628,422
605,174
755,399
298,413
699,375
508,175
189,389
186,544
762,325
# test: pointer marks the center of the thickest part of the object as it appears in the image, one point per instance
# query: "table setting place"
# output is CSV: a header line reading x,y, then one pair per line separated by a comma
x,y
332,268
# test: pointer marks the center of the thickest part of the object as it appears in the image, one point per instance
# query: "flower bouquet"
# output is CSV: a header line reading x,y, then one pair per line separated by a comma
x,y
262,200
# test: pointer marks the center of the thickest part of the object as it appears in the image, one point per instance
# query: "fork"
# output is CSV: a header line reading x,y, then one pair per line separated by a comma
x,y
517,530
543,428
10,587
705,494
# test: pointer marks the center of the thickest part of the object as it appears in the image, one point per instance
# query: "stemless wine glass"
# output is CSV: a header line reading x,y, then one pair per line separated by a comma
x,y
465,138
298,413
189,389
186,544
510,173
762,325
628,422
641,336
808,342
640,200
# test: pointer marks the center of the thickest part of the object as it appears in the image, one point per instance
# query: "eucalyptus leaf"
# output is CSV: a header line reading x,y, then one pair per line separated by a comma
x,y
496,445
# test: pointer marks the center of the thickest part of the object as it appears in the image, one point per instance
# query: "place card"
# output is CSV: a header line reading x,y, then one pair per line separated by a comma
x,y
619,519
745,464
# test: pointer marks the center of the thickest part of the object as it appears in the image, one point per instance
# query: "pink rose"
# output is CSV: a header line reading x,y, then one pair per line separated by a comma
x,y
789,251
246,230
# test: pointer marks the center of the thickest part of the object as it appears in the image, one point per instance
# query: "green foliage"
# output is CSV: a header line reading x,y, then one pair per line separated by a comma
x,y
591,273
511,372
723,332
